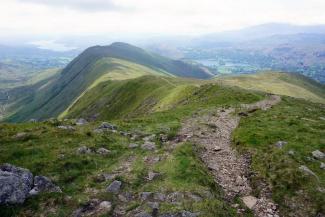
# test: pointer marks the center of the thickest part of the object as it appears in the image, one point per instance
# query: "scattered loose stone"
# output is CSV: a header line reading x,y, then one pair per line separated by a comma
x,y
108,176
151,159
114,187
149,138
318,155
150,146
43,184
143,214
322,165
108,126
86,209
249,201
21,135
103,151
134,136
93,208
159,197
243,114
122,133
105,205
217,148
320,189
98,131
152,175
163,138
307,171
145,195
83,150
133,145
68,127
189,214
81,121
155,208
280,144
194,197
125,197
291,152
180,214
175,197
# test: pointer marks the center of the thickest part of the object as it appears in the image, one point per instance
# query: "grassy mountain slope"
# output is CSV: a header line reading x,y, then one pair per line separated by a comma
x,y
134,54
148,94
51,151
288,84
301,124
96,64
158,105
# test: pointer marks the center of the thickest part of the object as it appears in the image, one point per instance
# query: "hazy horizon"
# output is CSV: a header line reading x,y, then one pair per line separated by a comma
x,y
44,23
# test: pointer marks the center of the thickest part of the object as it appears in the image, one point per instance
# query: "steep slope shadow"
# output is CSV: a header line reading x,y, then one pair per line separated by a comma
x,y
231,171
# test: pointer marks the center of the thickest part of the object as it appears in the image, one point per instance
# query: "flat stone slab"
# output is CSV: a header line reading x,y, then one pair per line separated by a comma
x,y
249,201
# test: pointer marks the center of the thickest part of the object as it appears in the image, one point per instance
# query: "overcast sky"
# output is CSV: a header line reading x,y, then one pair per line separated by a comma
x,y
93,17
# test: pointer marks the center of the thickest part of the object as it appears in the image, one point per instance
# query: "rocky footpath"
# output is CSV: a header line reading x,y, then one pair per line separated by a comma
x,y
230,170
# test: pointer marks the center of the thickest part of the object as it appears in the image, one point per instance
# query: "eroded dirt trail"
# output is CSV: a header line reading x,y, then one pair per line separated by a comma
x,y
230,170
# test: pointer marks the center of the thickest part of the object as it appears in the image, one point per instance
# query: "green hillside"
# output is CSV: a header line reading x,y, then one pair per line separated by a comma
x,y
156,105
147,94
289,84
180,146
118,61
77,174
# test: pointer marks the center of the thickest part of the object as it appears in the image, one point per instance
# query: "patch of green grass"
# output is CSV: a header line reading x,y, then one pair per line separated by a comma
x,y
182,171
185,171
287,84
300,124
52,152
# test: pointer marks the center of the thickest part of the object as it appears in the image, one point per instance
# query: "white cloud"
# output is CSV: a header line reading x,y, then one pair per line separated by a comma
x,y
64,17
84,5
51,45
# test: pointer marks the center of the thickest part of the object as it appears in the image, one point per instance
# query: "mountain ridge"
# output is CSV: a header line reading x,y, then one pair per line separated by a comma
x,y
85,69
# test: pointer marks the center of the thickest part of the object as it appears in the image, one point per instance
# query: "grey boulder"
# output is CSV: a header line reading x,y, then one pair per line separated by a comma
x,y
15,183
68,127
307,171
108,126
43,184
83,150
150,146
114,187
322,165
318,155
280,144
103,151
133,145
81,121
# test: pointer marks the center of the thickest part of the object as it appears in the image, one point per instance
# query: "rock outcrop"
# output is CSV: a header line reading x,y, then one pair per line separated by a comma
x,y
43,184
17,184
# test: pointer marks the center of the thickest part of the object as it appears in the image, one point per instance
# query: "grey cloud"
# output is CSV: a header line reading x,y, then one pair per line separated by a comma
x,y
84,5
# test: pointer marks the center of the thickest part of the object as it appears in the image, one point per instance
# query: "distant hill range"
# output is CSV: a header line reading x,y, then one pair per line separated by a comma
x,y
274,46
119,61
